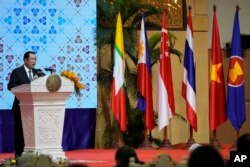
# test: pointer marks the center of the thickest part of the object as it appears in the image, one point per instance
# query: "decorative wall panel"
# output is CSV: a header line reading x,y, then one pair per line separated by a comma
x,y
176,12
61,32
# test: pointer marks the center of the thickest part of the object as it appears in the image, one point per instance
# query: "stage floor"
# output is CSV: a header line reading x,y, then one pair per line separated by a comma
x,y
105,157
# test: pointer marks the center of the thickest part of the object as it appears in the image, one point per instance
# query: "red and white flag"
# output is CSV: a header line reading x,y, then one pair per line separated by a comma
x,y
165,102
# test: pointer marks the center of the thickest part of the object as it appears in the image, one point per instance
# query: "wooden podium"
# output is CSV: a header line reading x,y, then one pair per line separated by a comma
x,y
42,105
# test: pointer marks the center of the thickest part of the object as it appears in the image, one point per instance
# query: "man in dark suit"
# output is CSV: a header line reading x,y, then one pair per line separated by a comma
x,y
22,75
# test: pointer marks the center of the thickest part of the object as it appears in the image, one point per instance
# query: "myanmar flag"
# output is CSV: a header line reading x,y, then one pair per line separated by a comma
x,y
118,95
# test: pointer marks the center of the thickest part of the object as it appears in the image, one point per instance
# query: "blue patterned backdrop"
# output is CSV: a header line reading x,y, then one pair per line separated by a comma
x,y
61,32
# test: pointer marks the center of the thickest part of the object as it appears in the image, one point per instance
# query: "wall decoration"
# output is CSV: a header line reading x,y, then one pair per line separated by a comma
x,y
62,33
176,12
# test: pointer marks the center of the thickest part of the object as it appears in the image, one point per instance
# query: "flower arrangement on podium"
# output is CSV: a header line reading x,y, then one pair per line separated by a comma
x,y
73,77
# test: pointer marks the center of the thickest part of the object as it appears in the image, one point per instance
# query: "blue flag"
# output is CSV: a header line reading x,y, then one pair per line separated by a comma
x,y
235,87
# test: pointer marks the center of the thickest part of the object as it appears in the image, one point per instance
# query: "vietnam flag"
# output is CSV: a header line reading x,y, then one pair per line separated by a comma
x,y
165,105
118,95
144,83
217,96
236,109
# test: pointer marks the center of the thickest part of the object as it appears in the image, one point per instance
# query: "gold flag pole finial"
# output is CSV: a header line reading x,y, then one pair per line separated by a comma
x,y
237,7
214,8
189,8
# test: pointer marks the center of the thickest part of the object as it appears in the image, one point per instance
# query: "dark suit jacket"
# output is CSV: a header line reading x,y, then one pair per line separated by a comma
x,y
18,77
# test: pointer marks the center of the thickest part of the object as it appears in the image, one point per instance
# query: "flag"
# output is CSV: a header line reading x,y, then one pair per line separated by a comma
x,y
188,83
235,82
144,83
118,95
217,95
165,102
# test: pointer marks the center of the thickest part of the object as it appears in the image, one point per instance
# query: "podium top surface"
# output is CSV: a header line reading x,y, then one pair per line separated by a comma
x,y
40,85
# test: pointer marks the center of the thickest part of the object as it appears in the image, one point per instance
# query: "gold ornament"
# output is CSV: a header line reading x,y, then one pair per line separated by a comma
x,y
53,83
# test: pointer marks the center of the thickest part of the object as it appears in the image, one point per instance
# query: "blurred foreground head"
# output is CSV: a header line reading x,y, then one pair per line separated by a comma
x,y
205,156
243,143
123,155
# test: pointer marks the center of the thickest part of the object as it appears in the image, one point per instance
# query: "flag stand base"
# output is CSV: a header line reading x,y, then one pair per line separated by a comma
x,y
233,147
189,144
216,144
190,140
146,144
166,144
119,143
214,141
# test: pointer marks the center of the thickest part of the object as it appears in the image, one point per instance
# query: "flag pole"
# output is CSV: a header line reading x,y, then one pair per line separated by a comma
x,y
236,93
214,141
119,141
165,103
118,94
233,147
144,84
188,84
191,138
146,143
166,142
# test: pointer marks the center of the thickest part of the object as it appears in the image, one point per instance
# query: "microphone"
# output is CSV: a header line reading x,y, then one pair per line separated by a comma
x,y
50,69
38,73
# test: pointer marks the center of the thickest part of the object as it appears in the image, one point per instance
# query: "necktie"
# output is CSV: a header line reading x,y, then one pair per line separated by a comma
x,y
30,75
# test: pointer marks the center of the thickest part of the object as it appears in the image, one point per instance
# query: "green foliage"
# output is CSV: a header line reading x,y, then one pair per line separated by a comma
x,y
134,134
107,11
104,77
154,48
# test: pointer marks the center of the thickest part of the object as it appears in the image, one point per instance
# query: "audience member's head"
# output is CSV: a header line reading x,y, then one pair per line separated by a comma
x,y
243,143
205,156
193,147
124,154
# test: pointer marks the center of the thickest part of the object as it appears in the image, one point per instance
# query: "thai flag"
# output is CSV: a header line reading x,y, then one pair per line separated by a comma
x,y
188,84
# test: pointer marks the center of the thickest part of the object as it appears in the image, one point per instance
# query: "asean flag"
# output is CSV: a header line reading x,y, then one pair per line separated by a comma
x,y
235,87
